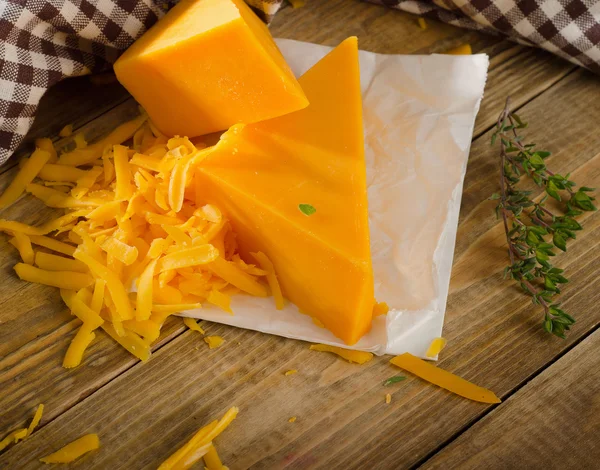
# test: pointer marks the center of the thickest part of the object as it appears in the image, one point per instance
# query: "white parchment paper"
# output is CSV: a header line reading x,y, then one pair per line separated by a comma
x,y
419,113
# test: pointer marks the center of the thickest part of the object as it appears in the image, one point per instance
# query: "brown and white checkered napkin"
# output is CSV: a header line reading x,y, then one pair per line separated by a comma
x,y
568,28
44,41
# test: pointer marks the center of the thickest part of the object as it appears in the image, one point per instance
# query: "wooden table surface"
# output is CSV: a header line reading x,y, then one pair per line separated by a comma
x,y
550,415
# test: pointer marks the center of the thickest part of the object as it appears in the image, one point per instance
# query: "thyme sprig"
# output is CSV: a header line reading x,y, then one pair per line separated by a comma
x,y
533,230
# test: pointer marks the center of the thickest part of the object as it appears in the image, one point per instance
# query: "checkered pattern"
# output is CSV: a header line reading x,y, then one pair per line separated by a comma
x,y
568,28
42,42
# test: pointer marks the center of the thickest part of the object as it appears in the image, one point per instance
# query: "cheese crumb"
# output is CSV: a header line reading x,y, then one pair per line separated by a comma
x,y
214,342
66,131
422,23
291,372
292,419
193,325
435,347
388,398
380,308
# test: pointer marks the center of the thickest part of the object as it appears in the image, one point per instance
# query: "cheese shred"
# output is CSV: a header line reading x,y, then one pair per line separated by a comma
x,y
22,433
193,325
444,379
358,357
74,450
435,347
200,445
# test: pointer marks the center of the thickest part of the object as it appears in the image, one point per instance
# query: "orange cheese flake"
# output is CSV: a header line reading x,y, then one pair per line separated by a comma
x,y
47,145
25,176
188,257
37,417
89,318
221,300
388,398
229,272
74,450
52,244
91,153
22,433
214,342
380,308
444,379
193,325
290,372
130,341
435,347
358,357
148,329
13,437
77,347
292,419
200,444
53,172
422,23
265,263
463,49
66,131
52,262
23,243
60,279
97,301
212,461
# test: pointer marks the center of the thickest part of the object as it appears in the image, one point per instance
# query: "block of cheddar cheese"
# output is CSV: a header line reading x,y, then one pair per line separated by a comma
x,y
261,174
209,64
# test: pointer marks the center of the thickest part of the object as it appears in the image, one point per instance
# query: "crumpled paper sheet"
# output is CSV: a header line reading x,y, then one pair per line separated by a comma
x,y
419,113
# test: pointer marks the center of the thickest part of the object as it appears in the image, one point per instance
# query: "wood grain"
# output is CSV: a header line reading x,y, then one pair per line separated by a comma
x,y
551,423
343,421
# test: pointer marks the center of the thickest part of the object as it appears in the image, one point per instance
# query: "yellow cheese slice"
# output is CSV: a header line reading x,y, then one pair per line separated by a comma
x,y
260,174
206,65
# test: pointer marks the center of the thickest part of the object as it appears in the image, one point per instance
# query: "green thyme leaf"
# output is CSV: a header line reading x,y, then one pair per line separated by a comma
x,y
307,209
393,380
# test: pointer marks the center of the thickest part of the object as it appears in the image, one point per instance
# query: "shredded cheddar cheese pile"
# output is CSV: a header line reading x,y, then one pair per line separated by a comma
x,y
23,433
134,241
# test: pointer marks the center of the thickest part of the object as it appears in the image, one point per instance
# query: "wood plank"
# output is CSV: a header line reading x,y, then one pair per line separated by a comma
x,y
552,422
494,334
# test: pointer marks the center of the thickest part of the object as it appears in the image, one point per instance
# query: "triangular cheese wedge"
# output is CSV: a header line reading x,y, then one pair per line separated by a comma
x,y
260,174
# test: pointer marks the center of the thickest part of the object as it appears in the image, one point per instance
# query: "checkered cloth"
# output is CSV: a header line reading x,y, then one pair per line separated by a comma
x,y
568,28
42,42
